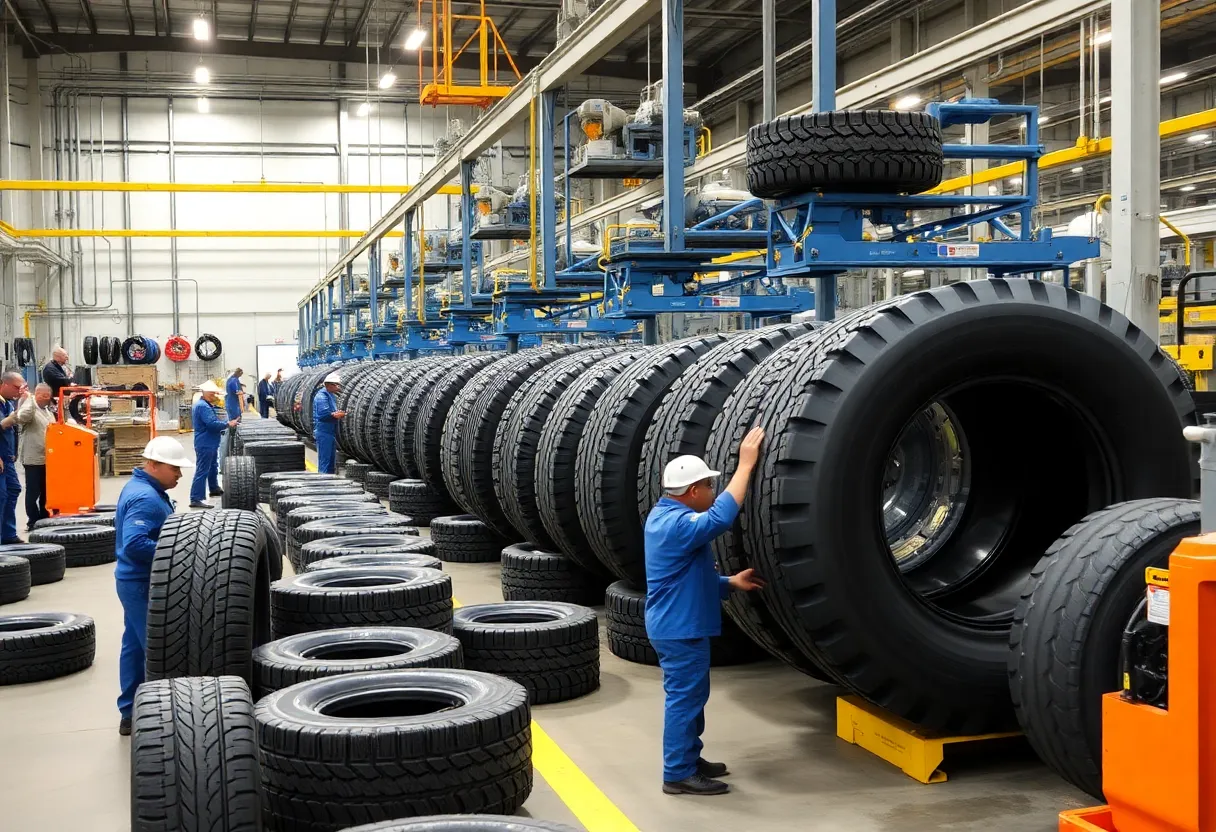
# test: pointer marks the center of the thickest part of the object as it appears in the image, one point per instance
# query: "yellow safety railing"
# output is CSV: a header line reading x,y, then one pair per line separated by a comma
x,y
1102,201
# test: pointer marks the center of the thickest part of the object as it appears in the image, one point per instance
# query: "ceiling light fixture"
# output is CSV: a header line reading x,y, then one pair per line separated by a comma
x,y
1015,181
1106,99
204,106
1172,78
202,75
202,29
914,273
1101,38
414,40
907,102
1044,119
1187,188
1078,169
387,80
1196,138
364,109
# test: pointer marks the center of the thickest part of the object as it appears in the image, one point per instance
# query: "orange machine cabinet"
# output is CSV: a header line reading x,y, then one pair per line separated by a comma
x,y
73,469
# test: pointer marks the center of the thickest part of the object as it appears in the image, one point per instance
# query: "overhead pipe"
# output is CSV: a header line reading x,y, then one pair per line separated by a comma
x,y
36,309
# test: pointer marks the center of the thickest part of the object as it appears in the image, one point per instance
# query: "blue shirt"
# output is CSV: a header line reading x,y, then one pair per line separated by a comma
x,y
232,401
265,391
323,406
142,509
684,591
8,436
207,426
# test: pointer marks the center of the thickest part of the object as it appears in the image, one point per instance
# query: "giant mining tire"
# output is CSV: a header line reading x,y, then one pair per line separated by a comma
x,y
611,448
1069,625
964,429
854,151
433,414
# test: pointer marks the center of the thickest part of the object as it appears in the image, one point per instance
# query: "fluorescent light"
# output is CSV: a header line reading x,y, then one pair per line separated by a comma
x,y
1106,99
204,106
414,40
907,102
1101,38
1187,188
202,75
387,80
364,109
1078,169
1044,119
914,273
1017,180
202,29
1172,78
1196,138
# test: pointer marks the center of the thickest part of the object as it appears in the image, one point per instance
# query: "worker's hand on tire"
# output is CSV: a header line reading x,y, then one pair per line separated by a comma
x,y
749,450
339,414
747,580
233,422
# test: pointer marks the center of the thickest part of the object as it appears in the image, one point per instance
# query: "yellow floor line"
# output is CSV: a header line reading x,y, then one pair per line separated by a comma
x,y
310,465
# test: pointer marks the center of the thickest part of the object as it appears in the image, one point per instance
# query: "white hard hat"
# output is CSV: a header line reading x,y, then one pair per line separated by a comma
x,y
333,378
686,470
168,450
209,386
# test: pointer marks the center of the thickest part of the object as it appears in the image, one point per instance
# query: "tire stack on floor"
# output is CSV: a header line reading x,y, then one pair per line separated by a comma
x,y
273,455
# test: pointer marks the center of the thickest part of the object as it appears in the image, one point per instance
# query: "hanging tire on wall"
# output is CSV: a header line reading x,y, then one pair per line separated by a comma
x,y
23,351
44,645
88,350
110,350
851,151
207,347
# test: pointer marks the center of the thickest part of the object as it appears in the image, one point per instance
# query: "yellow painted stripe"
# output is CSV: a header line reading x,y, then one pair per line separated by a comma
x,y
310,465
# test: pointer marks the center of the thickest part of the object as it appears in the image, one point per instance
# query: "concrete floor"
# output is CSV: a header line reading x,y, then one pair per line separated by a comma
x,y
63,767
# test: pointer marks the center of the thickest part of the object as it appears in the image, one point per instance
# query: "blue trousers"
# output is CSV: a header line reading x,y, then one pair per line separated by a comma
x,y
264,408
134,598
206,473
12,492
685,664
327,452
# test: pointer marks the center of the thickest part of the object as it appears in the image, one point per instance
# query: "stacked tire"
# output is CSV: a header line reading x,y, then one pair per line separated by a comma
x,y
273,455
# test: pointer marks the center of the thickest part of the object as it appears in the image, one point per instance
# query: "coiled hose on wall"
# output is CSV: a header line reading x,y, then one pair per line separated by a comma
x,y
139,349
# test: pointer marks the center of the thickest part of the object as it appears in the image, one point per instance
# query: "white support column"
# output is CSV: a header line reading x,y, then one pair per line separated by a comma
x,y
977,87
890,286
902,35
1133,285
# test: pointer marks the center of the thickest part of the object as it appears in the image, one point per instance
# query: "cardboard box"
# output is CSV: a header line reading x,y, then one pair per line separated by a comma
x,y
122,405
126,375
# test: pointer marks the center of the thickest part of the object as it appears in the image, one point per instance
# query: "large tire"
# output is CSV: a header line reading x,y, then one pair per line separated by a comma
x,y
611,448
109,350
419,501
47,560
1069,625
927,637
382,409
84,544
101,518
411,410
356,471
270,455
364,544
88,350
627,639
208,603
266,481
464,823
327,510
15,581
557,460
462,538
442,741
240,483
38,646
529,573
294,659
433,415
387,427
421,559
849,151
377,483
344,526
194,764
329,599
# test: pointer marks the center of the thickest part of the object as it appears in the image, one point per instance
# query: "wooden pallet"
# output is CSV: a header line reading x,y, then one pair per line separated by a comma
x,y
125,460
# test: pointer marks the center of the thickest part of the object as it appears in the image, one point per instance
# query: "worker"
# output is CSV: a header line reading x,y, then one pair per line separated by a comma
x,y
55,373
35,414
684,596
143,507
232,397
207,429
265,396
325,418
12,389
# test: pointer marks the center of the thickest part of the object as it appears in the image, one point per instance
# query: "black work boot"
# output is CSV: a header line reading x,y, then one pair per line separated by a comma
x,y
698,784
707,769
124,726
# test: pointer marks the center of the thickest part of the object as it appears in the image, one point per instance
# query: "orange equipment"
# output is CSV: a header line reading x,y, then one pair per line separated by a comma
x,y
442,87
1159,764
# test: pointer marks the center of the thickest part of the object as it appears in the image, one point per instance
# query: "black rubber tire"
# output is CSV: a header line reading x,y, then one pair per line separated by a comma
x,y
338,489
433,415
95,518
342,525
529,573
417,500
463,823
420,559
845,151
208,603
84,544
411,410
356,470
394,410
274,546
324,510
360,500
47,561
1069,625
552,649
518,438
109,350
240,483
23,351
377,483
294,659
557,460
611,448
380,406
275,455
194,763
328,599
38,646
207,347
322,772
625,621
364,544
462,538
88,350
267,481
1017,347
15,579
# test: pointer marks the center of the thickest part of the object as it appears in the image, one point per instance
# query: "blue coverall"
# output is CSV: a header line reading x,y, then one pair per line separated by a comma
x,y
265,391
207,429
233,405
10,484
142,509
325,430
684,595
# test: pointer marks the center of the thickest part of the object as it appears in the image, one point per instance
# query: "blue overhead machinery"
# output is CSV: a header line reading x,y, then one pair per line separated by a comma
x,y
620,144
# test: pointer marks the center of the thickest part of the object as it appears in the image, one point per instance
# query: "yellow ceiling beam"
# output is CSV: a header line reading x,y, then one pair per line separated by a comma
x,y
210,187
184,232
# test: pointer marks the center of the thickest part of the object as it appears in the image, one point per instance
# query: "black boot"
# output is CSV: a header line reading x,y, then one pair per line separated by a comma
x,y
124,726
698,784
707,769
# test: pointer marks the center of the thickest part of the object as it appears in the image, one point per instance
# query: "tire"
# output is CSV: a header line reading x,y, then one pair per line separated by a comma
x,y
194,764
274,547
377,483
208,347
387,426
460,742
1068,627
47,561
551,649
15,581
464,823
324,510
84,544
329,599
208,601
340,489
462,538
611,448
364,544
38,646
360,501
557,460
240,483
267,481
411,409
375,409
110,350
294,659
417,500
356,470
275,455
88,350
23,351
343,526
1019,347
627,639
846,151
419,559
530,573
433,415
104,518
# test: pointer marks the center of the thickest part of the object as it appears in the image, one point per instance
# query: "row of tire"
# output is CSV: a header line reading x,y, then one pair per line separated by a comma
x,y
140,349
923,455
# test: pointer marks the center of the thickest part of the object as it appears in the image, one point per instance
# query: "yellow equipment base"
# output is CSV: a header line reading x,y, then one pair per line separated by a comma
x,y
1093,819
898,742
463,95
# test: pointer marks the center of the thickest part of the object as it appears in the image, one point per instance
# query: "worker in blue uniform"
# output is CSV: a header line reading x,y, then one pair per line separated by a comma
x,y
684,595
207,429
234,395
265,396
12,390
325,418
143,507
